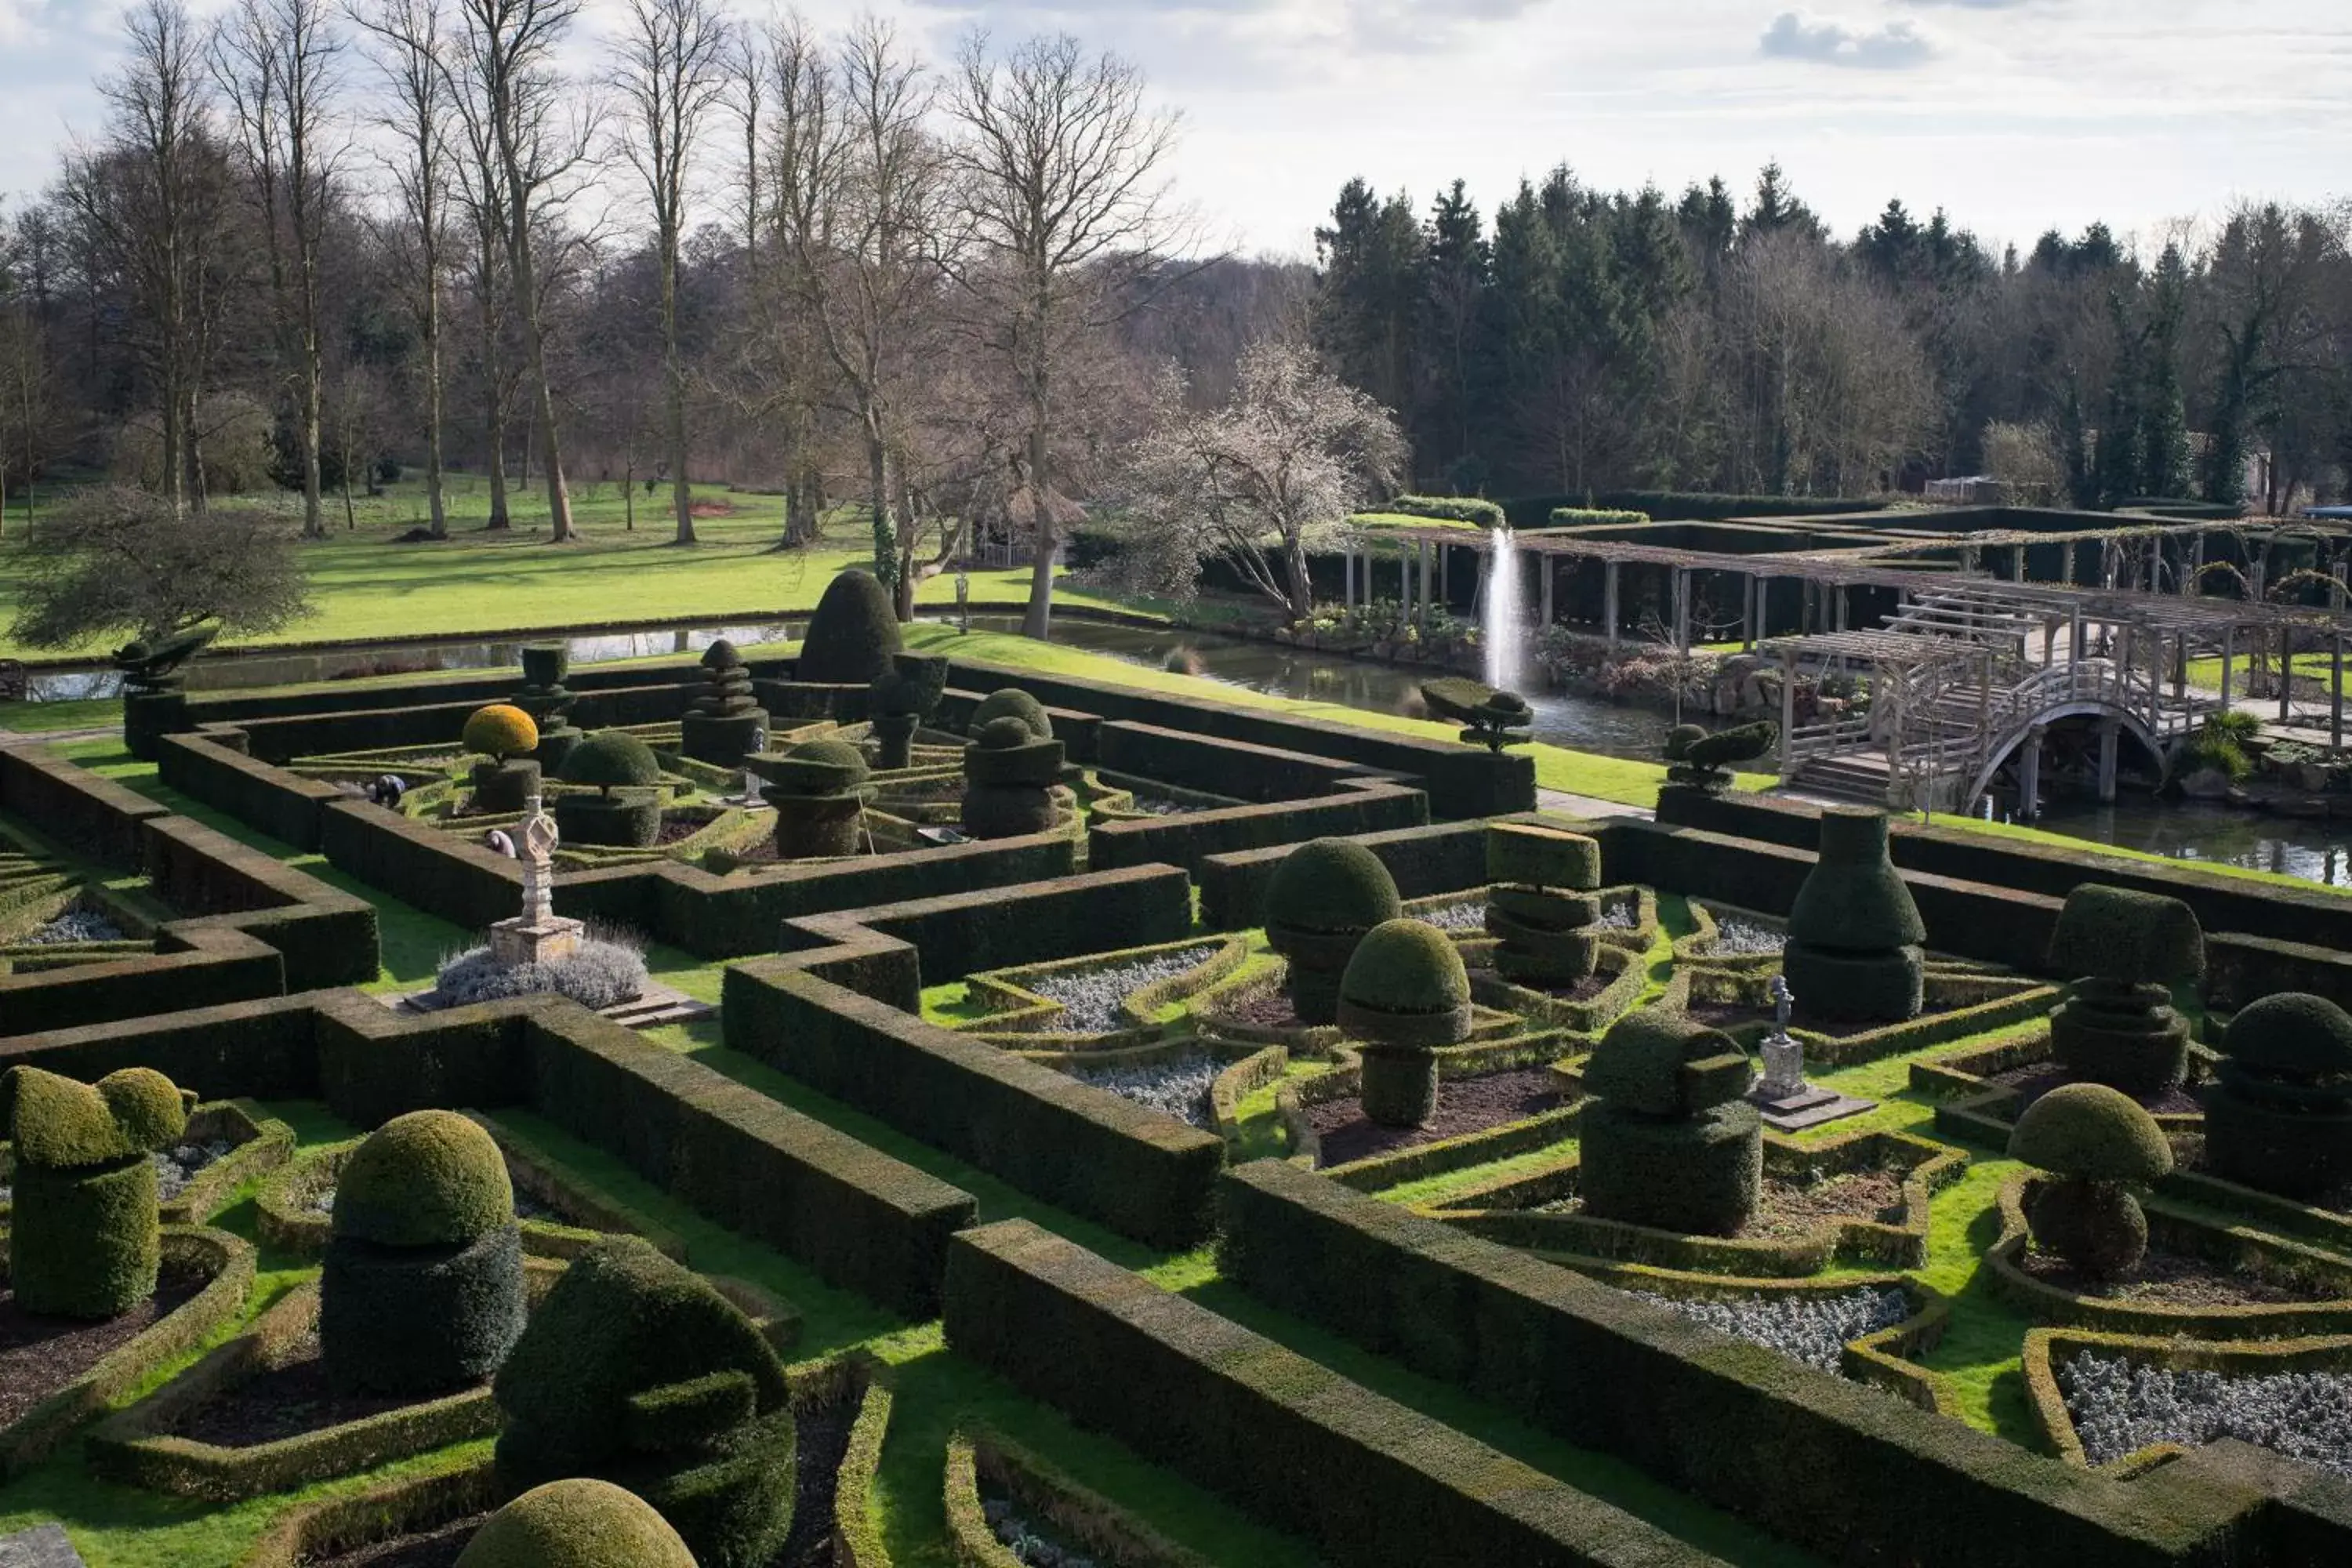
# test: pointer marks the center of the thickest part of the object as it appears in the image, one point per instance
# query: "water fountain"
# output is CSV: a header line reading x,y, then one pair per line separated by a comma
x,y
1503,632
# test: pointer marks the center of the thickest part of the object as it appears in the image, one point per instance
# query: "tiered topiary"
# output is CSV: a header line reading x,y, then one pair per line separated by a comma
x,y
1696,760
422,1288
818,789
726,723
637,1371
544,697
86,1242
1009,775
612,760
1012,703
1404,995
2119,1027
507,736
1670,1141
2279,1115
898,703
1491,719
576,1524
1320,902
852,636
2098,1144
1854,935
1542,906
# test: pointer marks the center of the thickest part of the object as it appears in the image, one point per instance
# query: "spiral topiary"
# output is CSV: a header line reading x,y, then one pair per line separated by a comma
x,y
2279,1114
725,723
422,1290
86,1242
1853,953
852,634
505,735
2119,1028
1012,703
1542,907
576,1524
2097,1145
637,1371
1669,1140
611,759
1009,776
1320,902
818,789
1404,995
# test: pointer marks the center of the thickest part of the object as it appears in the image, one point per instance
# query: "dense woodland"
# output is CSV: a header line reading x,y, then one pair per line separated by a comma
x,y
312,246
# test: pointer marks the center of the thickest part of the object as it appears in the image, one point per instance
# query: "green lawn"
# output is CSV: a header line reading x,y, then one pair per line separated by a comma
x,y
2206,673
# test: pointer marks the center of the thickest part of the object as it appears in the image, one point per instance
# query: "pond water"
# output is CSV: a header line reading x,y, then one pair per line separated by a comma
x,y
2216,835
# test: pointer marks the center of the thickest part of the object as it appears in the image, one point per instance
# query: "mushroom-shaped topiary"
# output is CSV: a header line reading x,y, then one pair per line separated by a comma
x,y
1012,703
818,789
2119,1028
1404,994
607,761
505,735
899,701
2279,1115
1320,902
852,634
725,723
581,1522
85,1241
2098,1144
1009,775
640,1372
422,1285
1670,1141
1854,935
1541,906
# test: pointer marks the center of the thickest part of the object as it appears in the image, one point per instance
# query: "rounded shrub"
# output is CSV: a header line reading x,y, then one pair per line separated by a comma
x,y
637,1371
2118,1028
422,1286
2098,1143
618,822
1668,1142
1681,739
86,1242
576,1524
852,636
501,731
1853,953
819,793
1012,703
1404,995
611,759
2279,1115
1009,775
1320,902
819,767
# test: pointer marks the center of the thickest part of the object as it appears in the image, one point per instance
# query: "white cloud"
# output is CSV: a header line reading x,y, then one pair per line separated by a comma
x,y
1828,40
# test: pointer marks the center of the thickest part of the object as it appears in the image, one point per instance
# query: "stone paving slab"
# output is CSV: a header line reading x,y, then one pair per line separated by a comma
x,y
43,1546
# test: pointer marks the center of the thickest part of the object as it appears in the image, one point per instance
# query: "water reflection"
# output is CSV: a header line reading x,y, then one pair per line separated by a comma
x,y
2187,830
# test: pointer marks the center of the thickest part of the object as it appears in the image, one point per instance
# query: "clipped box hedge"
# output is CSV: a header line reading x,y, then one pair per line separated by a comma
x,y
1189,839
88,812
1826,1463
1424,859
1371,1482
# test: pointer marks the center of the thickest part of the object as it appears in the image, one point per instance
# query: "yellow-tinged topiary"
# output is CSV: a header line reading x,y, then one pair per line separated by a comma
x,y
501,731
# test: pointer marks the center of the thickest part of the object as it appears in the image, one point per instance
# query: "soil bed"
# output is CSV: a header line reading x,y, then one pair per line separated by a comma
x,y
1790,1206
1464,1105
40,1355
2038,1078
287,1402
1270,1011
2174,1279
436,1548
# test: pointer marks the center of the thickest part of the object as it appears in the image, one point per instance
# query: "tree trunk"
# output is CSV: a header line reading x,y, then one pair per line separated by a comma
x,y
886,537
434,481
1302,586
314,522
1037,620
494,411
674,379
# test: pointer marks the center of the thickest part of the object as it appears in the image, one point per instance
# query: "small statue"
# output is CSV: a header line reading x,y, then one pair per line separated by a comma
x,y
537,853
1784,1058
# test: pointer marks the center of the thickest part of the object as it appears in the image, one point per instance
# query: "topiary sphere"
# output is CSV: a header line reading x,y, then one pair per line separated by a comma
x,y
1003,735
1406,966
721,655
2290,1035
576,1524
845,763
852,636
1012,703
2122,934
431,1178
612,759
501,731
1330,885
2093,1132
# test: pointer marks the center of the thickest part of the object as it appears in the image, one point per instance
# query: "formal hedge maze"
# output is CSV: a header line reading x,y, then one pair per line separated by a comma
x,y
1237,1141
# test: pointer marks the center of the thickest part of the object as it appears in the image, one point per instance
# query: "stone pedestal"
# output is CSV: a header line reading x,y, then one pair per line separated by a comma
x,y
543,941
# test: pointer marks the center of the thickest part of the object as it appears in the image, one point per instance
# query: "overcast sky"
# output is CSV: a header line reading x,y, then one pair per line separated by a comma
x,y
2015,115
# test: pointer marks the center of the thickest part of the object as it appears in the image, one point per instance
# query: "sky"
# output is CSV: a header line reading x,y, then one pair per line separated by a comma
x,y
2016,116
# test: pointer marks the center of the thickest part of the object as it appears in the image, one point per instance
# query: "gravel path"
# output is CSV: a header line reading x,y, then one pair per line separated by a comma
x,y
1021,1538
1178,1088
1091,997
1737,938
175,1168
1807,1328
73,925
2119,1409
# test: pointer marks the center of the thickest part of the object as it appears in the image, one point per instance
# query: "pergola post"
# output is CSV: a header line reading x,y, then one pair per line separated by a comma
x,y
1551,570
1347,567
1788,709
2110,734
1746,613
1682,610
2285,672
2067,564
2196,582
1420,549
2335,694
1404,586
2028,777
2017,563
1840,591
1609,602
2228,648
1445,557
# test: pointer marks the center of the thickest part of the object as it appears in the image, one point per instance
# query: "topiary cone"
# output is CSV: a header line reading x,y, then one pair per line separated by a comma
x,y
1853,953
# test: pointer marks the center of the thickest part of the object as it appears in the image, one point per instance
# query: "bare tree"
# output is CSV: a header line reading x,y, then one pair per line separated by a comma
x,y
28,405
409,44
672,72
1061,167
277,64
480,192
541,135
